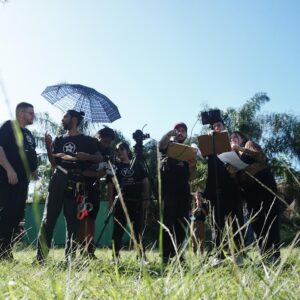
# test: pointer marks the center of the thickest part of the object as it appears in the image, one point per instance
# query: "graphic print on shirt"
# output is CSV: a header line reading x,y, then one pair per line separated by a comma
x,y
29,139
127,172
69,147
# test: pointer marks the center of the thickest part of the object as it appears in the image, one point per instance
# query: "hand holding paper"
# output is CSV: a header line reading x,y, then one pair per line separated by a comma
x,y
233,159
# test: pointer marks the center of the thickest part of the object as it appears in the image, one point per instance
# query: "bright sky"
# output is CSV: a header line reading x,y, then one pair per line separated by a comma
x,y
158,61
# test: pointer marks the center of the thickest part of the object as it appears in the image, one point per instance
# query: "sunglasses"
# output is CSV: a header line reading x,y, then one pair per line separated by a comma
x,y
120,149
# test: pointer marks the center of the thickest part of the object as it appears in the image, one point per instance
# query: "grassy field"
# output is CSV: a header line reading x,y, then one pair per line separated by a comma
x,y
104,279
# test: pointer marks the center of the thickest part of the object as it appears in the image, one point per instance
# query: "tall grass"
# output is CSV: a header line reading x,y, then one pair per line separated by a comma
x,y
103,279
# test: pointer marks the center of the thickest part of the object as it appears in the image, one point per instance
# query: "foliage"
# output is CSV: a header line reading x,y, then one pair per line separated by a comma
x,y
245,118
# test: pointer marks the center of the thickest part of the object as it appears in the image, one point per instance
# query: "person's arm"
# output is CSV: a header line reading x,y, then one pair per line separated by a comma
x,y
163,143
253,150
11,174
95,158
49,144
232,170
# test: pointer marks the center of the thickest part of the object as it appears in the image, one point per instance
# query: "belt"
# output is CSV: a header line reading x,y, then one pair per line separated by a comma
x,y
69,171
72,174
58,167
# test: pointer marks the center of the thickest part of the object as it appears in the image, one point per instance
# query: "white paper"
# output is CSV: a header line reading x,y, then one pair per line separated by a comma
x,y
233,159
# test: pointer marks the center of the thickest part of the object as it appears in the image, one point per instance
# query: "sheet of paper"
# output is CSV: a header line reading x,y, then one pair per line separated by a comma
x,y
233,159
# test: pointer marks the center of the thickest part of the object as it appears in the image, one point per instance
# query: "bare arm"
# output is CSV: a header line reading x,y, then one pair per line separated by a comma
x,y
48,141
163,143
253,150
11,174
95,158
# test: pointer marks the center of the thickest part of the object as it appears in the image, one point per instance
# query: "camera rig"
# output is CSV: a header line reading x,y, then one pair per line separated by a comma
x,y
210,117
139,137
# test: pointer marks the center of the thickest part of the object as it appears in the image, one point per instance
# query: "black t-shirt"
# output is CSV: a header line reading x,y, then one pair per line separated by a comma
x,y
71,145
175,173
130,179
8,142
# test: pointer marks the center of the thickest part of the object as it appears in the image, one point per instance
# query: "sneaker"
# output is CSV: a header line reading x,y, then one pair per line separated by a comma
x,y
144,261
272,260
38,262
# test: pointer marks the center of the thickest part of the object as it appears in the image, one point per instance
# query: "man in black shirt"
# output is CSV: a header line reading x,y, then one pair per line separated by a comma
x,y
133,181
18,163
70,155
175,176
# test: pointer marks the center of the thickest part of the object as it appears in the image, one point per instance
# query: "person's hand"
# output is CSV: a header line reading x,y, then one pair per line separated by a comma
x,y
172,132
192,163
146,203
12,176
48,139
35,175
231,170
235,147
82,156
198,199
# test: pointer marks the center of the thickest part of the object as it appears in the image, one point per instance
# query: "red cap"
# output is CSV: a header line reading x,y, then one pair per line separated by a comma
x,y
183,125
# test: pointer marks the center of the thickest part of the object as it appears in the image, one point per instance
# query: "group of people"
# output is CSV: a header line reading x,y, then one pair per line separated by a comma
x,y
227,190
79,161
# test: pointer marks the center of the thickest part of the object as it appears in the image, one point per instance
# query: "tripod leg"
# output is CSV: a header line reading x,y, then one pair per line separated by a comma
x,y
106,221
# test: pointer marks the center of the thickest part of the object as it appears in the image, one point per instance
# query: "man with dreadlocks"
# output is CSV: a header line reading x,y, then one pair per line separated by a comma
x,y
70,154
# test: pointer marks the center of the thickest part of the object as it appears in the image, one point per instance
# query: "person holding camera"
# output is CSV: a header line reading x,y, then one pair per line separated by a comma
x,y
105,137
70,154
18,163
175,177
134,184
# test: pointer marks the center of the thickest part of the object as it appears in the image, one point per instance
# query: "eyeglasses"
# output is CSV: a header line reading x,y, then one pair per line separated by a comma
x,y
29,112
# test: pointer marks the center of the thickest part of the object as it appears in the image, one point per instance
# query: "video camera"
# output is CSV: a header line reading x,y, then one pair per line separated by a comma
x,y
139,136
210,117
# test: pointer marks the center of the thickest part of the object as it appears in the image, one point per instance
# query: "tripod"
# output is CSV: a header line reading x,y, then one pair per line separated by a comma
x,y
106,221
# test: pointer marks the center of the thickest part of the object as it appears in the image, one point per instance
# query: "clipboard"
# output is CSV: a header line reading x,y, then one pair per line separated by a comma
x,y
222,143
181,152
